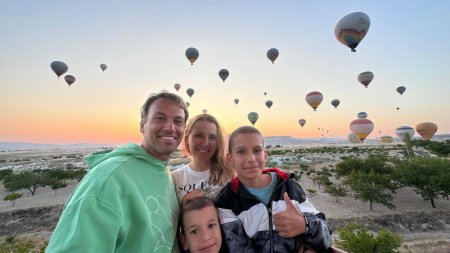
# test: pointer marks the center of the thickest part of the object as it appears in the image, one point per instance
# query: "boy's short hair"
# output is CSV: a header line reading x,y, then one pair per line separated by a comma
x,y
242,130
194,204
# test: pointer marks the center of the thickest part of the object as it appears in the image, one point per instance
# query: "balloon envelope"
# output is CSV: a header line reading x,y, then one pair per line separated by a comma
x,y
236,101
314,99
361,115
386,139
353,138
352,28
223,73
402,131
204,111
177,86
302,122
69,79
188,104
190,92
365,78
103,67
253,117
272,54
59,67
269,103
361,127
335,102
192,54
401,89
265,93
426,130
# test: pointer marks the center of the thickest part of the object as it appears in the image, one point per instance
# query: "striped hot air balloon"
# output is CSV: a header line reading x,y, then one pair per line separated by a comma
x,y
361,127
352,28
386,139
314,99
365,78
402,131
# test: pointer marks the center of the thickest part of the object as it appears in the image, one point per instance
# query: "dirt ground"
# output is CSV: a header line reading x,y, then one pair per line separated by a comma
x,y
423,228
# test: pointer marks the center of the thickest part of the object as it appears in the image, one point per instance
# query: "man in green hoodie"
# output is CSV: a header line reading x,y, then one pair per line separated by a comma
x,y
127,201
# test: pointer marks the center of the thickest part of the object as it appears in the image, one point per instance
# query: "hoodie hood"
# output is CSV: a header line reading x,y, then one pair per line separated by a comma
x,y
131,149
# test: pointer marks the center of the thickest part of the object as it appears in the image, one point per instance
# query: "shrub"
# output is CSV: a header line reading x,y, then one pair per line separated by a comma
x,y
354,238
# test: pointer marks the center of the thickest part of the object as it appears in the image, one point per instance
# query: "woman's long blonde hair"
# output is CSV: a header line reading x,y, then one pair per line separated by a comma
x,y
219,173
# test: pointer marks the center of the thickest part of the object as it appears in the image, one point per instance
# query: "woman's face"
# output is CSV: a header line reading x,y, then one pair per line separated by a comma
x,y
202,140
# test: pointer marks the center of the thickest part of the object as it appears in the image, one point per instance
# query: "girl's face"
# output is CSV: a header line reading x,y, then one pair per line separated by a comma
x,y
248,157
202,140
202,230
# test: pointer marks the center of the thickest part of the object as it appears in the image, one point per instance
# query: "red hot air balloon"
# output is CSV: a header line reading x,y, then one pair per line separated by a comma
x,y
177,86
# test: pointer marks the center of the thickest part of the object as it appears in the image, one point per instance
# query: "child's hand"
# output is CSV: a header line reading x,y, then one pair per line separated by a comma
x,y
290,222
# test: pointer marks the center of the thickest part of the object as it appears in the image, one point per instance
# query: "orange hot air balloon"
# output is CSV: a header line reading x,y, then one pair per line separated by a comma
x,y
314,99
426,130
361,127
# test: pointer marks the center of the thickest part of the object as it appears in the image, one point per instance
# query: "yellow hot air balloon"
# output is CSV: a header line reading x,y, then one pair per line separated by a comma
x,y
353,138
426,130
386,139
314,99
361,127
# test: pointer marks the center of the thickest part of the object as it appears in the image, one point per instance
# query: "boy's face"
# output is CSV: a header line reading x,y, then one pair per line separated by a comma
x,y
202,230
248,157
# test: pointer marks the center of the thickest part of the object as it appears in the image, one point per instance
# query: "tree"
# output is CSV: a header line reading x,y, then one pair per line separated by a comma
x,y
336,190
57,184
430,177
30,180
13,196
371,187
354,238
5,173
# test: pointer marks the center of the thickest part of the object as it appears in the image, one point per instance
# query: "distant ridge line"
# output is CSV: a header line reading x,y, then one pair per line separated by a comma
x,y
16,146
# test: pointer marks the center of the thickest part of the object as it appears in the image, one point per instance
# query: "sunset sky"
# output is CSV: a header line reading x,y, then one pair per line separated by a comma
x,y
144,42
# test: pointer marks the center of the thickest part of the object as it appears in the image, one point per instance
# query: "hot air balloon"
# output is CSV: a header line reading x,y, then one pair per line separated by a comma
x,y
314,99
269,103
426,130
265,93
302,122
365,78
402,131
177,86
253,117
398,108
272,54
361,127
353,138
190,92
352,28
59,67
386,139
69,79
236,101
361,115
103,66
335,102
223,73
192,54
204,111
188,104
401,89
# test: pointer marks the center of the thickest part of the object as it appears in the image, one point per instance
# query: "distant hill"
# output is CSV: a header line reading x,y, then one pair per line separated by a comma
x,y
10,146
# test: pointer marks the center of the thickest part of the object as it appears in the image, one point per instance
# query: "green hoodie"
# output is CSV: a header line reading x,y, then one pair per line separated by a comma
x,y
126,203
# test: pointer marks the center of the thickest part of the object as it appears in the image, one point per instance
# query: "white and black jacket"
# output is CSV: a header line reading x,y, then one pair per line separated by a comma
x,y
247,222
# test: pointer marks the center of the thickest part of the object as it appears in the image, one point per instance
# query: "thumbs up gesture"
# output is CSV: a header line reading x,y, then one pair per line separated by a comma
x,y
290,222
